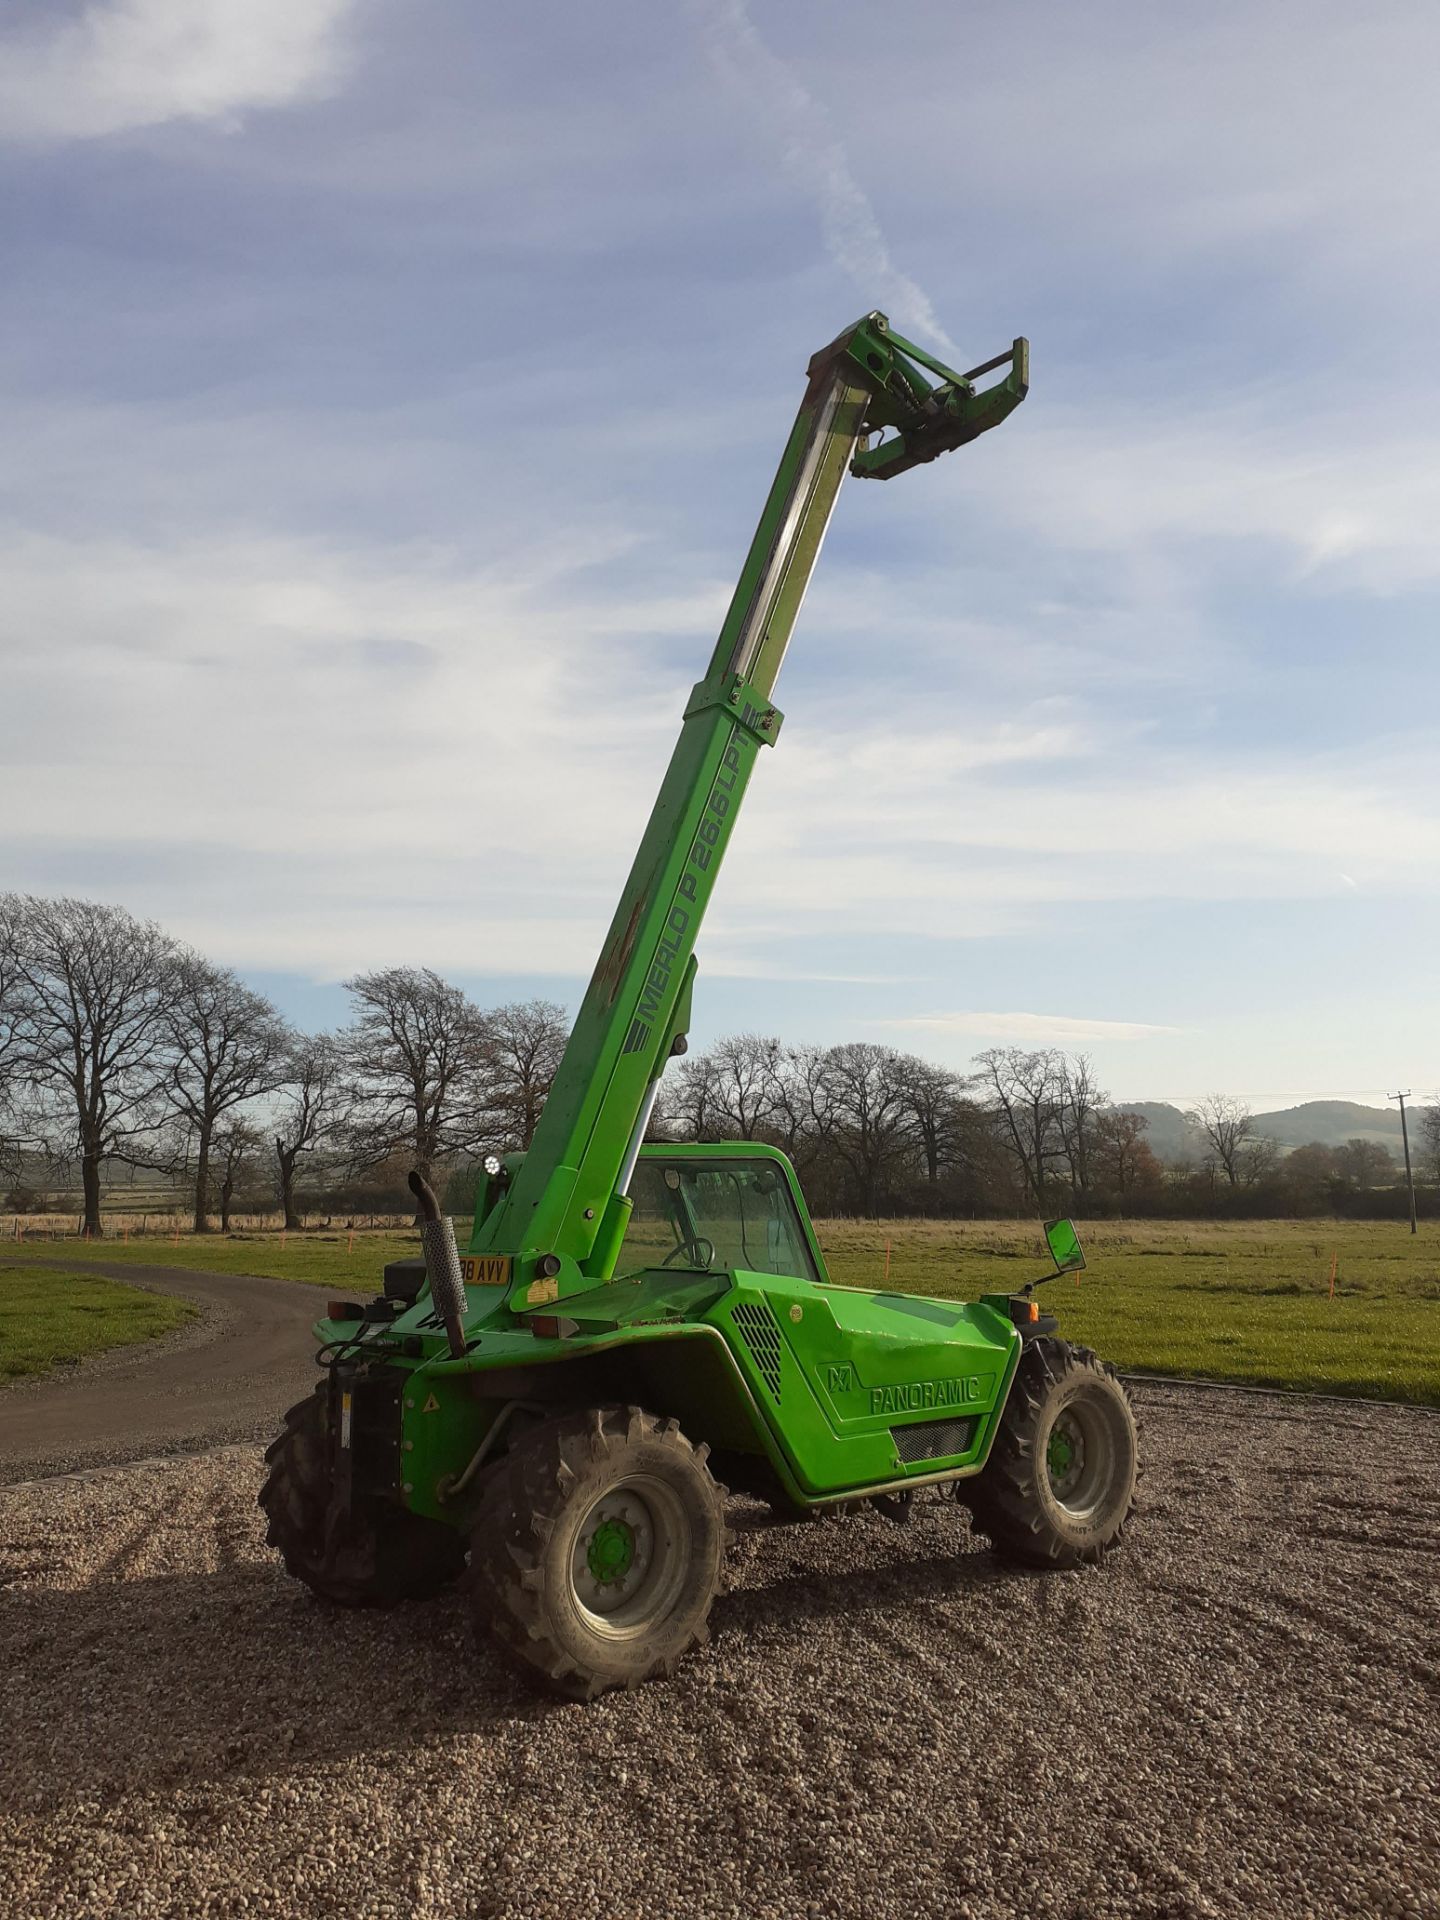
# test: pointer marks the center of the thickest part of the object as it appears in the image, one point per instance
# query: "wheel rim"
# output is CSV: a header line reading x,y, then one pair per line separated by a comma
x,y
1083,1457
628,1562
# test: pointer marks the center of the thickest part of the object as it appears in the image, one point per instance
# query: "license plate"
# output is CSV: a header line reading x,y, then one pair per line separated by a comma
x,y
485,1269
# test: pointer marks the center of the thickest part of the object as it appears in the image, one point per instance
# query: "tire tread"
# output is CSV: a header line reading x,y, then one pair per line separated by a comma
x,y
1004,1500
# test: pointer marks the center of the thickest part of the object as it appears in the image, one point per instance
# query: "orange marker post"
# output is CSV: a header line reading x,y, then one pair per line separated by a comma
x,y
1334,1263
887,1263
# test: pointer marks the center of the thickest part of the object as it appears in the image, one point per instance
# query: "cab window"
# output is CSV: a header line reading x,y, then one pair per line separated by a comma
x,y
704,1215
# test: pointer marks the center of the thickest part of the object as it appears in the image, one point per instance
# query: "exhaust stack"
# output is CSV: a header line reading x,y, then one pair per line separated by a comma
x,y
442,1263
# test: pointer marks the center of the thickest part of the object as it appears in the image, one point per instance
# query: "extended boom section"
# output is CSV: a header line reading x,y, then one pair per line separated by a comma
x,y
560,1217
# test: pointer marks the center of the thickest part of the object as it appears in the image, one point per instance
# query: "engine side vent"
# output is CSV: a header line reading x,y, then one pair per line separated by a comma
x,y
933,1439
759,1329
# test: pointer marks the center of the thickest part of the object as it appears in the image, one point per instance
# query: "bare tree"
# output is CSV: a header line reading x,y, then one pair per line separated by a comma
x,y
92,985
691,1100
1080,1101
870,1117
730,1093
311,1110
1430,1135
11,922
412,1059
11,1084
522,1044
936,1111
1228,1126
234,1158
1025,1092
228,1046
1366,1163
1309,1175
748,1069
1120,1154
1260,1161
801,1115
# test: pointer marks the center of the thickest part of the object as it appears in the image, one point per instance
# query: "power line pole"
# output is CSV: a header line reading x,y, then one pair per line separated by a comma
x,y
1405,1136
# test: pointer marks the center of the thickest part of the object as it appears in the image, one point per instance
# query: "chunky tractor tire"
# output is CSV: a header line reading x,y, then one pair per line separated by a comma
x,y
597,1549
384,1556
1059,1485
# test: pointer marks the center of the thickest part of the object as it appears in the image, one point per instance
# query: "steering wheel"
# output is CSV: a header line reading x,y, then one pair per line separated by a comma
x,y
702,1249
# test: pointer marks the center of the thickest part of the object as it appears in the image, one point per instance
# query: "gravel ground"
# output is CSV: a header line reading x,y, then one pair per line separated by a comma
x,y
1236,1717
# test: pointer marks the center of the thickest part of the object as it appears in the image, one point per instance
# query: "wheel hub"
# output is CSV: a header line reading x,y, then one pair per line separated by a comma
x,y
614,1551
1065,1456
611,1550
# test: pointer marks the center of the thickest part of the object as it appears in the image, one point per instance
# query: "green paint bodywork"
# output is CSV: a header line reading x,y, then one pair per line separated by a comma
x,y
843,1391
817,1378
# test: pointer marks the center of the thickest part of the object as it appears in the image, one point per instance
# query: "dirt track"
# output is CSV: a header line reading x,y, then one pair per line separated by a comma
x,y
229,1375
1234,1718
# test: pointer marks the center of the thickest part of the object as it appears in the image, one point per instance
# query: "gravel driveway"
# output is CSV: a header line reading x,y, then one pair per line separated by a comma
x,y
228,1375
1237,1717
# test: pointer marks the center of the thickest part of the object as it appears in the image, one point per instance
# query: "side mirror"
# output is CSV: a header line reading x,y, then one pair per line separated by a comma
x,y
1064,1245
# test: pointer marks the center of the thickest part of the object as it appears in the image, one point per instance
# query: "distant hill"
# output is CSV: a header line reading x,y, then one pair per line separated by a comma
x,y
1168,1135
1331,1122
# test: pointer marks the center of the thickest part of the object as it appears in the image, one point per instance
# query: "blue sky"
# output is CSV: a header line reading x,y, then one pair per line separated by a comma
x,y
392,389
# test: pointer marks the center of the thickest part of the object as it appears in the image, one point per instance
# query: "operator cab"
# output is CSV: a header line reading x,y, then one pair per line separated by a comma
x,y
714,1211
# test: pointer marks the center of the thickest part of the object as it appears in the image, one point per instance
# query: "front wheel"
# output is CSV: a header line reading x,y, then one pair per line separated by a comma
x,y
381,1556
597,1549
1059,1485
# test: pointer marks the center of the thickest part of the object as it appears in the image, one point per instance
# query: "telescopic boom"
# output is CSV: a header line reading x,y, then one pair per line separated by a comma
x,y
553,1223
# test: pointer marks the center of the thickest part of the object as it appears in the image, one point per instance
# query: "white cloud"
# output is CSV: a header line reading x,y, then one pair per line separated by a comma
x,y
1031,1029
117,65
327,752
1121,134
816,160
1346,500
961,831
308,756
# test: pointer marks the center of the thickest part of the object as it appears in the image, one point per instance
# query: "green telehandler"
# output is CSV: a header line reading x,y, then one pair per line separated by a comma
x,y
631,1320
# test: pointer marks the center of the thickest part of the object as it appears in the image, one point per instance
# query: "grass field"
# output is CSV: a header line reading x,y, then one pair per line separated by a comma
x,y
50,1319
1241,1301
1245,1301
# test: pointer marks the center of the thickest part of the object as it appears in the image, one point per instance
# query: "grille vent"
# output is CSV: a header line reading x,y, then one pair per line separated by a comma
x,y
758,1328
933,1439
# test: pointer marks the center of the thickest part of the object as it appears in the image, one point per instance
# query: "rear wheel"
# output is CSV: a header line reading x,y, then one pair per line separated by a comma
x,y
1059,1485
380,1556
597,1549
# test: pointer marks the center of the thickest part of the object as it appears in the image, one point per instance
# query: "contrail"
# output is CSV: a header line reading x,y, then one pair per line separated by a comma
x,y
817,161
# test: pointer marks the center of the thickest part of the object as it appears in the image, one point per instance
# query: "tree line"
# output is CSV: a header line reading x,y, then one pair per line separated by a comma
x,y
120,1047
875,1131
